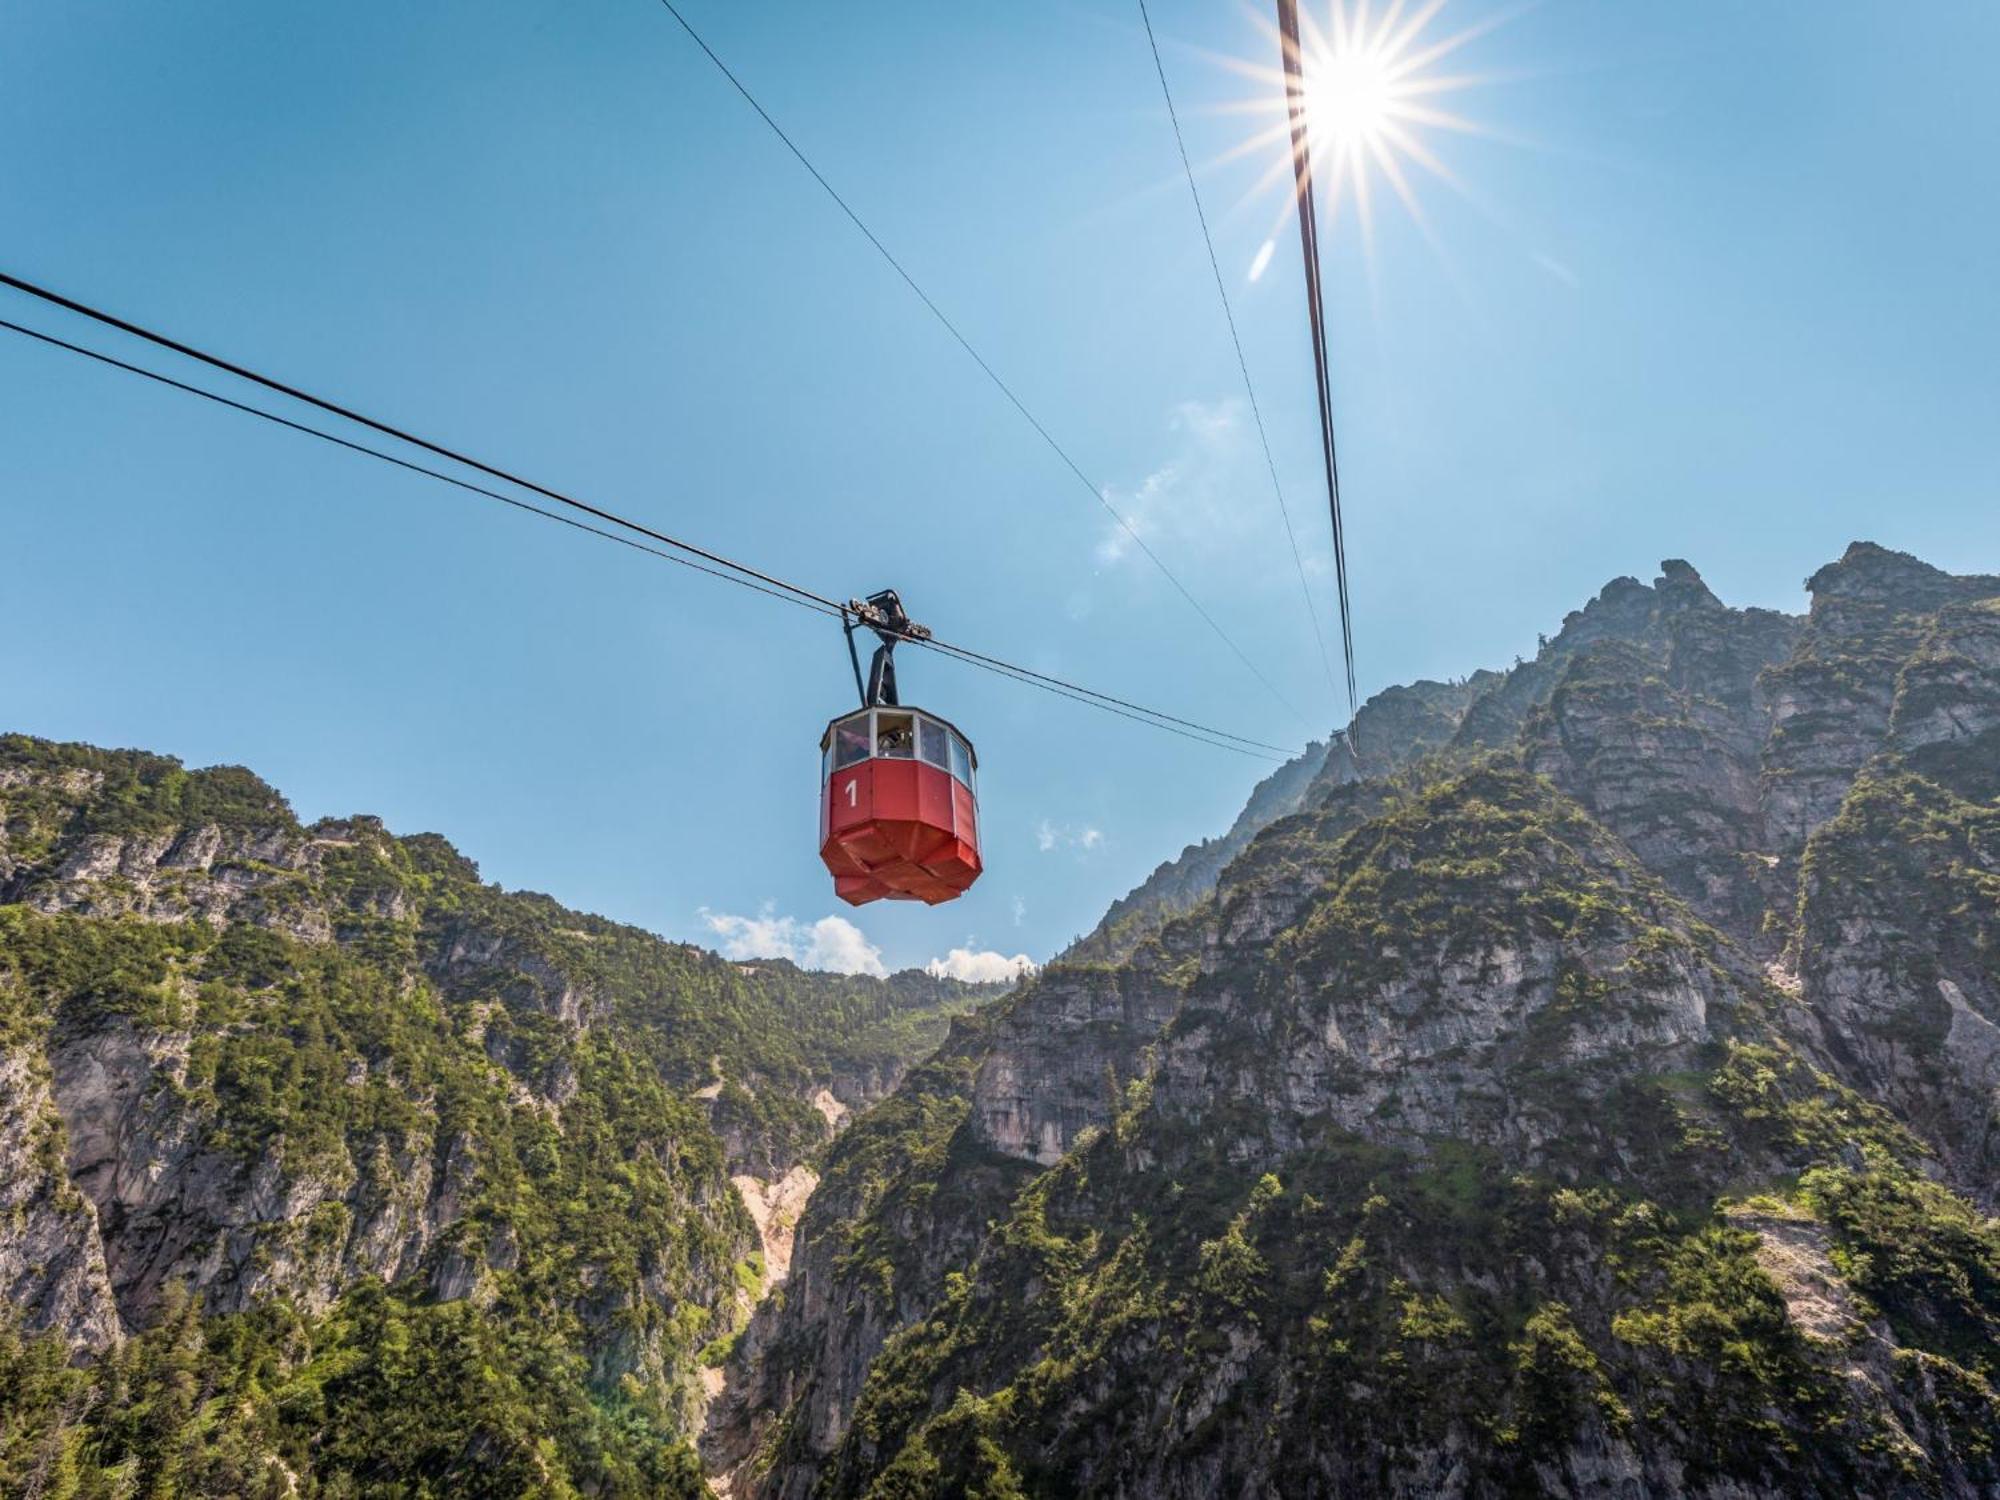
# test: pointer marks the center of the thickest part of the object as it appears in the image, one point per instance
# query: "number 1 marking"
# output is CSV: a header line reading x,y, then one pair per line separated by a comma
x,y
852,782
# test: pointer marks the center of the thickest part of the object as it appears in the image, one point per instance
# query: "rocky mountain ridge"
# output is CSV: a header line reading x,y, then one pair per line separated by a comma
x,y
1179,884
1591,1088
271,1093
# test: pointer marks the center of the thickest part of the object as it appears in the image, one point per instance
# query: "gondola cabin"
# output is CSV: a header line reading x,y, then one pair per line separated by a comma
x,y
898,814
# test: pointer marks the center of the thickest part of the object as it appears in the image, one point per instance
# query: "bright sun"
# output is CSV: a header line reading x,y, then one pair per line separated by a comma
x,y
1372,89
1350,98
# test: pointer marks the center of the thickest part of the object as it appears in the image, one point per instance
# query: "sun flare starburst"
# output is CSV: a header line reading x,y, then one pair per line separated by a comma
x,y
1372,91
1351,96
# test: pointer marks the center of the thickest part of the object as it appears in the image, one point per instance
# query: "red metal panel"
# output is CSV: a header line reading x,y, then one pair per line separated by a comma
x,y
857,889
850,796
934,797
896,789
964,814
898,830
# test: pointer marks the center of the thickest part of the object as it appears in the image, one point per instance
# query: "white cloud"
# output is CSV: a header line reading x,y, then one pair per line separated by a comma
x,y
983,967
1050,837
838,944
1020,911
831,943
1210,494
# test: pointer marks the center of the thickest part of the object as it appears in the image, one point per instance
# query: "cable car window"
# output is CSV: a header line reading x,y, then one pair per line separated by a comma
x,y
826,759
934,743
961,761
850,743
895,736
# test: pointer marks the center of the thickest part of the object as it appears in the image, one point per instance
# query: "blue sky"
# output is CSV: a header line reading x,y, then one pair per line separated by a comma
x,y
1726,292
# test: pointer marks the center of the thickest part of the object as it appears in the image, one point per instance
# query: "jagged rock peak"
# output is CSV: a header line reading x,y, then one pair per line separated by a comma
x,y
1873,573
1625,606
1679,580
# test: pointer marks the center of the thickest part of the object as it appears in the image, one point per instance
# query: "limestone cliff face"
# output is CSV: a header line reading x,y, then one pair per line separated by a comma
x,y
174,1207
251,1066
1833,697
1400,724
51,1257
808,1350
1057,1067
264,1062
1452,1023
1895,947
1946,716
1646,707
1594,1095
1671,769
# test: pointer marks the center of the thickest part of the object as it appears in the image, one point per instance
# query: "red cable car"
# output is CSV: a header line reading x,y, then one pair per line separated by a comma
x,y
898,812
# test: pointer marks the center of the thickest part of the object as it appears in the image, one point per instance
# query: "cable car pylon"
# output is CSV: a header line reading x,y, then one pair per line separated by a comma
x,y
898,805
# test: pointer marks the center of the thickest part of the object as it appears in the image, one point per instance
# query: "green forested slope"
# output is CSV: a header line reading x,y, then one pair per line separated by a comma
x,y
332,1170
1596,1097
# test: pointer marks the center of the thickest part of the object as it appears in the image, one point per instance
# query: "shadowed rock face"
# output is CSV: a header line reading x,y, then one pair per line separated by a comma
x,y
1553,1101
52,1258
1832,698
1895,947
1058,1069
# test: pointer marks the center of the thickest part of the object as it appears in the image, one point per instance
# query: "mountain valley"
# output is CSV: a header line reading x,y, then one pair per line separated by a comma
x,y
1579,1079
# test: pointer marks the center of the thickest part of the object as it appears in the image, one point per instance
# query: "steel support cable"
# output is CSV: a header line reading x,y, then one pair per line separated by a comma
x,y
414,468
1288,34
176,346
161,340
1102,699
1236,340
789,594
993,375
1200,735
1315,311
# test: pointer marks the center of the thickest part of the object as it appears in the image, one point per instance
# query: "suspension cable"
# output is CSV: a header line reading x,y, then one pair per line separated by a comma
x,y
1200,734
1295,103
110,320
993,375
414,468
1235,339
725,568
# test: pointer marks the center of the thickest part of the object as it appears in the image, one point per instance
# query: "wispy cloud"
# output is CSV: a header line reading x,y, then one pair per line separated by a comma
x,y
1210,497
831,943
1556,268
983,966
1081,837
